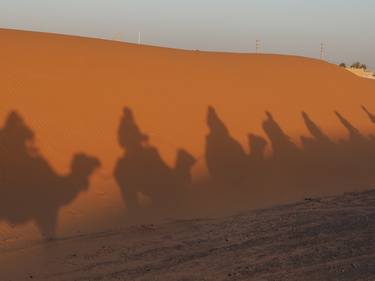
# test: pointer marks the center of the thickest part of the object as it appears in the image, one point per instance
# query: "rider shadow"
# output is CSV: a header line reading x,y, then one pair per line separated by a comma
x,y
226,160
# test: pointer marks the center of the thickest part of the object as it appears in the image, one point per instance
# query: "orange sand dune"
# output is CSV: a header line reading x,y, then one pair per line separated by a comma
x,y
71,92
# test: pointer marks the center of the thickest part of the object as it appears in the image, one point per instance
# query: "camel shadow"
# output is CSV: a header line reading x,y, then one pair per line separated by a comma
x,y
30,189
141,170
239,180
319,166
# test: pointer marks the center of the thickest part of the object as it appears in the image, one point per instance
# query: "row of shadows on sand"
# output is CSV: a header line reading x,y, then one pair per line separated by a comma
x,y
30,190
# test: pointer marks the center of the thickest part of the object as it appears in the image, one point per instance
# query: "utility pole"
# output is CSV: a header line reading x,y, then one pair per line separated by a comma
x,y
257,46
139,38
322,50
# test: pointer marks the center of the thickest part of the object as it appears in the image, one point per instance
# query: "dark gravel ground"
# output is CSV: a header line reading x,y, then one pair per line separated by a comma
x,y
329,238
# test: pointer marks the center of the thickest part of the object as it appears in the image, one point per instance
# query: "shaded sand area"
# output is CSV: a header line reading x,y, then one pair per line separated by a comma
x,y
328,238
71,92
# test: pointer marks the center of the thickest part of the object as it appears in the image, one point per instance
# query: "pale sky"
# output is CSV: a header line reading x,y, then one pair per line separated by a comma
x,y
347,27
